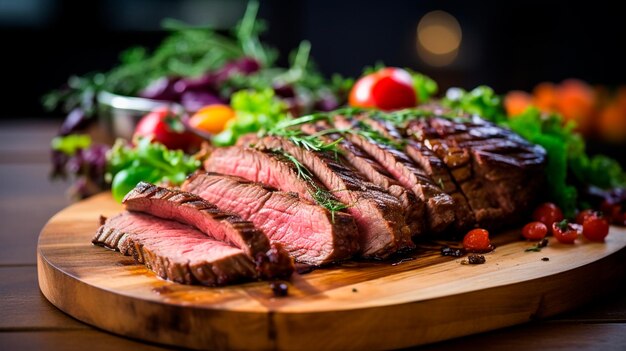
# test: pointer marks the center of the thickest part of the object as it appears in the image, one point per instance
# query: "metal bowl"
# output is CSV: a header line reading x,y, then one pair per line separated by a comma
x,y
118,115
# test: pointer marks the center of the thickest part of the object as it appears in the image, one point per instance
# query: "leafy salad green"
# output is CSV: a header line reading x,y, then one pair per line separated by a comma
x,y
146,161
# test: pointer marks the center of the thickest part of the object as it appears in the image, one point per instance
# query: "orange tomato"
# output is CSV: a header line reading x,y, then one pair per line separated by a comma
x,y
576,101
612,123
212,118
545,96
516,101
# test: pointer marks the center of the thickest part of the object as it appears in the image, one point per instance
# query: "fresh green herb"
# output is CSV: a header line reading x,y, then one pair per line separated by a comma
x,y
150,162
534,248
366,131
563,225
321,196
70,144
255,111
311,142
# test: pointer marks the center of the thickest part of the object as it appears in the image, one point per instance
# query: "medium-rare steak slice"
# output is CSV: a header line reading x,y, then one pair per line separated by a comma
x,y
262,166
175,251
434,168
228,227
439,205
375,173
310,233
378,215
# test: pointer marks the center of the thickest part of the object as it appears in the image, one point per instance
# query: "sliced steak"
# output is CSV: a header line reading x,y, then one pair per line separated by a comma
x,y
228,227
262,166
378,215
375,173
310,233
434,168
175,251
439,205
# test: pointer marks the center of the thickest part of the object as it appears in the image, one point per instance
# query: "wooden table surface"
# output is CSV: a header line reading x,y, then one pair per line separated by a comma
x,y
29,322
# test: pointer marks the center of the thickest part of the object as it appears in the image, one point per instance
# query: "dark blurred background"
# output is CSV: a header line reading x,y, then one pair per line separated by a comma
x,y
507,45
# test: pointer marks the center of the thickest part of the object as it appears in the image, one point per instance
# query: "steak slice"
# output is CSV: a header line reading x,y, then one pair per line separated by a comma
x,y
434,168
228,227
378,215
175,251
310,233
439,205
375,173
262,166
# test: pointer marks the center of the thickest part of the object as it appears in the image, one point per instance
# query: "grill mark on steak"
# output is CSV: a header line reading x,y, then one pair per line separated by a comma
x,y
228,227
307,231
175,251
378,215
434,168
375,173
479,153
439,205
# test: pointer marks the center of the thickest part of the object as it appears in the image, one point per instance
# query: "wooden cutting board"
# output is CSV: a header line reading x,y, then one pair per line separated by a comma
x,y
358,305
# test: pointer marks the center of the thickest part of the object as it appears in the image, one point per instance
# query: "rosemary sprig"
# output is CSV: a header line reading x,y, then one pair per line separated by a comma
x,y
366,131
321,196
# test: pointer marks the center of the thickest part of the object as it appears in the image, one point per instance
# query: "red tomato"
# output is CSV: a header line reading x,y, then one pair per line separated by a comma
x,y
388,89
564,232
535,231
163,126
584,214
595,228
548,213
477,240
613,212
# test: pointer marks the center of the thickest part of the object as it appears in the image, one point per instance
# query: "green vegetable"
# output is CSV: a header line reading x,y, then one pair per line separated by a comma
x,y
482,101
255,111
71,143
150,162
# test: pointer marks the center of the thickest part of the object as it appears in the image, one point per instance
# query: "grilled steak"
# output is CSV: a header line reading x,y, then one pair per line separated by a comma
x,y
310,233
375,173
498,171
378,215
175,251
263,166
434,168
192,210
439,205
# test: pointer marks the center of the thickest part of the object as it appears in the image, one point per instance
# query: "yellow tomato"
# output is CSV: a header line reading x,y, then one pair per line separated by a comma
x,y
212,118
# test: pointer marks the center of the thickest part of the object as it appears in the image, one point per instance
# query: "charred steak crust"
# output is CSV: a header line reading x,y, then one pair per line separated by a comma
x,y
377,174
193,210
498,171
175,251
439,205
307,231
378,215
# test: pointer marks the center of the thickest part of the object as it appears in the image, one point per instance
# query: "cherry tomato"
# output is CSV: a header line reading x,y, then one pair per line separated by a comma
x,y
163,126
387,89
565,232
584,214
548,213
613,212
477,240
212,118
595,228
535,231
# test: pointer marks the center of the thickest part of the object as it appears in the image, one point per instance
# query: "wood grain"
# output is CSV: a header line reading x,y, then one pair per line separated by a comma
x,y
362,305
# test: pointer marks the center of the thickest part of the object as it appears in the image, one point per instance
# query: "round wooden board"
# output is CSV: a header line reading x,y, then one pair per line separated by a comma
x,y
361,305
